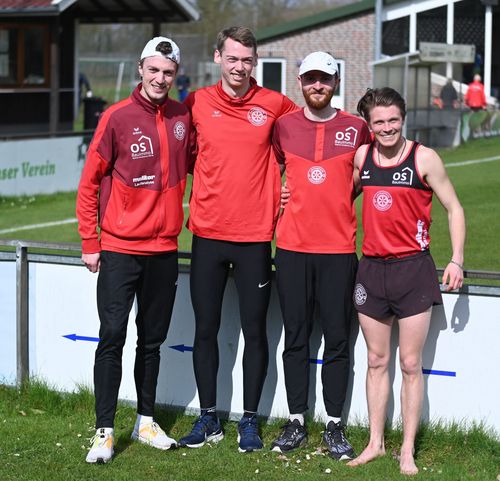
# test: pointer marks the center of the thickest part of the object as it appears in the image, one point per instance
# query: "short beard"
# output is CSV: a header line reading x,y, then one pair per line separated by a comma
x,y
317,104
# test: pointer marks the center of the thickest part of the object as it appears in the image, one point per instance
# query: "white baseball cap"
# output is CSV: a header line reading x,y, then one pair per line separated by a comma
x,y
321,61
170,51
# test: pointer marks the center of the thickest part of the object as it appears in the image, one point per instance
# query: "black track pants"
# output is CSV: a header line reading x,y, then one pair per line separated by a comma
x,y
324,281
122,276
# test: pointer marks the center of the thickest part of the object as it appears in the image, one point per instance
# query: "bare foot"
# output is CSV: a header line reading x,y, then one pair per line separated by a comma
x,y
407,464
369,454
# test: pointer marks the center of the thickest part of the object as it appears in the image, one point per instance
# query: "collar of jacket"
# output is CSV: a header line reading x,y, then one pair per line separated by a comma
x,y
238,100
146,104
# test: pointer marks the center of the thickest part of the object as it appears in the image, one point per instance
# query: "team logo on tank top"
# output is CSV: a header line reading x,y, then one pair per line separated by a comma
x,y
316,175
179,130
257,116
382,200
360,294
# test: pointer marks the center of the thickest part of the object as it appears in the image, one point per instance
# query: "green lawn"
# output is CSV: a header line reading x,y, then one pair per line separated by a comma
x,y
477,186
45,436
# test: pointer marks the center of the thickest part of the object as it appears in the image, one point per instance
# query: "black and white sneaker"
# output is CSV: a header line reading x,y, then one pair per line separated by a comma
x,y
338,445
293,436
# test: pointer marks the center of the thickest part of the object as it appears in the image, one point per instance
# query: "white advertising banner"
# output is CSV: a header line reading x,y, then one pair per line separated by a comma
x,y
460,357
41,166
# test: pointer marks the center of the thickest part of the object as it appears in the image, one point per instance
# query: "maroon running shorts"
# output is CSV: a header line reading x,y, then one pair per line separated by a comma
x,y
402,287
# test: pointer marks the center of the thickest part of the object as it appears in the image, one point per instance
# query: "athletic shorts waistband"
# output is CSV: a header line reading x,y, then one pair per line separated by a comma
x,y
390,260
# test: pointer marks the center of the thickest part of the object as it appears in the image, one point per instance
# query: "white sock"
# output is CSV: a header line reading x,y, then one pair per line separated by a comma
x,y
106,431
298,417
332,418
141,420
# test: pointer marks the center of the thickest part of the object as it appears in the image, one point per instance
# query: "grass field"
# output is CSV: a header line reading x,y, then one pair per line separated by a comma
x,y
45,437
45,434
477,185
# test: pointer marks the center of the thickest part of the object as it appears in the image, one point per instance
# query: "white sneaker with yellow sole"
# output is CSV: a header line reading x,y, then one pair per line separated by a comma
x,y
152,435
101,450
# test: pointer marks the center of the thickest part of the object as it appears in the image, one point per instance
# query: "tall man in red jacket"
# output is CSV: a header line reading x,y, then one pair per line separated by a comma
x,y
131,189
233,211
316,247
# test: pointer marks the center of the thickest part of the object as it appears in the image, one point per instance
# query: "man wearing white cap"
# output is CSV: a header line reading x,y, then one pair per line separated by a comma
x,y
129,209
316,251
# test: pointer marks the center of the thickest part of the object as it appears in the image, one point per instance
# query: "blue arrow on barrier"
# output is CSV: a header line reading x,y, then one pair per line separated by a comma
x,y
434,372
315,361
439,373
74,337
181,348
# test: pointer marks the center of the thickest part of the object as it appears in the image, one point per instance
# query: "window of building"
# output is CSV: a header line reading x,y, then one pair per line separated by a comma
x,y
24,56
431,25
396,36
271,74
338,100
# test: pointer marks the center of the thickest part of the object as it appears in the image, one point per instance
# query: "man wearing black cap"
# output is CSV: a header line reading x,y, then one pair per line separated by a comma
x,y
316,252
134,178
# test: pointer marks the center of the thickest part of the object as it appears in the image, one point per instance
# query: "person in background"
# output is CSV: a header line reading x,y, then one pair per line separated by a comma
x,y
316,258
475,97
83,85
129,209
183,82
449,96
233,211
396,279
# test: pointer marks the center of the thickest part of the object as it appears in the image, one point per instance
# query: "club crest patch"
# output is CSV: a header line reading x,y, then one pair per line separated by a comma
x,y
179,130
316,175
257,116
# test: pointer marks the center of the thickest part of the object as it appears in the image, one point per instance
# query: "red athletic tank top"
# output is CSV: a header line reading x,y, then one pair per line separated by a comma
x,y
396,207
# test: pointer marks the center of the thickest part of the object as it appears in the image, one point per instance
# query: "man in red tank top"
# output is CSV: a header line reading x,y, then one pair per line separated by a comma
x,y
397,278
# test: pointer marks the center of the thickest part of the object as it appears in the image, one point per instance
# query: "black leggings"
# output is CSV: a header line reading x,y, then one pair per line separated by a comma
x,y
251,263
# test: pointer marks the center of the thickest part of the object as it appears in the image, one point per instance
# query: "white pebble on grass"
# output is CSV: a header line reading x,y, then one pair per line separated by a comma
x,y
328,470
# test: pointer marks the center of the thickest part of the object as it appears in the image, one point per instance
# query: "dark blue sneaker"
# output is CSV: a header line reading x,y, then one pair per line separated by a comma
x,y
206,429
293,436
338,445
248,435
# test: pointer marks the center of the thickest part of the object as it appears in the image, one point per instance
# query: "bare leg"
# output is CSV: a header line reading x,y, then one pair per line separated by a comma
x,y
412,334
377,335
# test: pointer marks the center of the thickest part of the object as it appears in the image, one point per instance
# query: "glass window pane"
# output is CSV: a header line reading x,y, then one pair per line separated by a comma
x,y
34,56
395,36
8,56
271,75
431,26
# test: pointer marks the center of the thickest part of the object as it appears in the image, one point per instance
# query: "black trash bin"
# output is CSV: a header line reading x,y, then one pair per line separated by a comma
x,y
92,109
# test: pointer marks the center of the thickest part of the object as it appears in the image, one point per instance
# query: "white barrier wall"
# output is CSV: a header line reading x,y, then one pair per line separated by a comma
x,y
461,356
41,166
